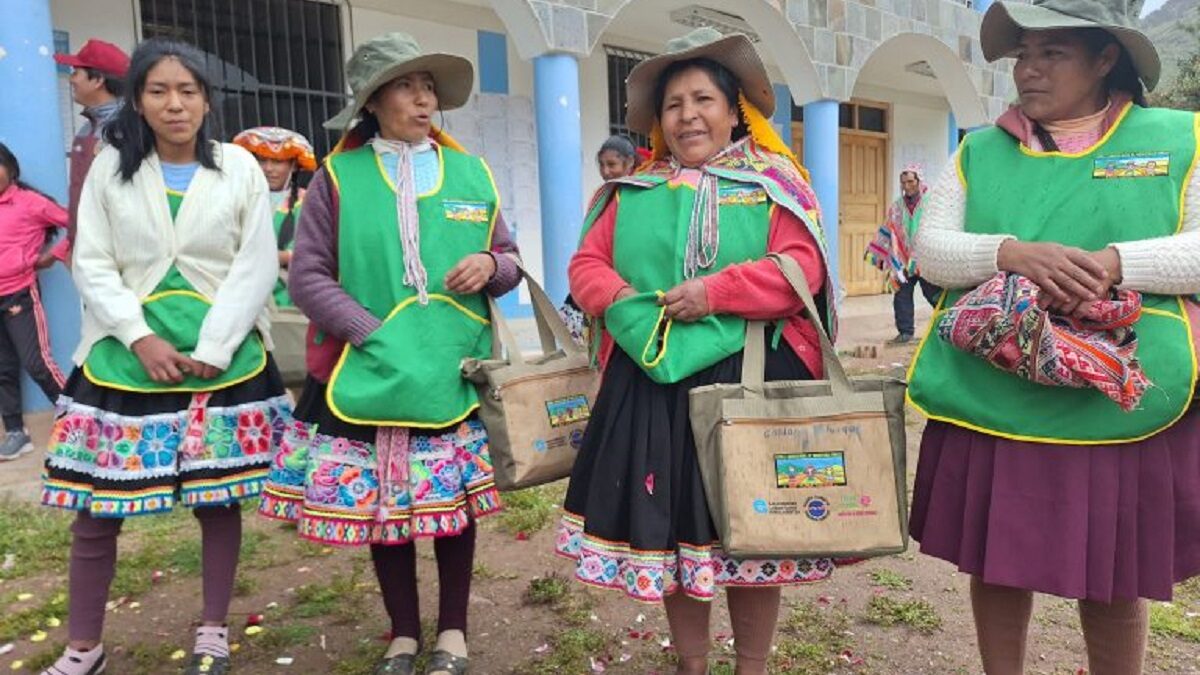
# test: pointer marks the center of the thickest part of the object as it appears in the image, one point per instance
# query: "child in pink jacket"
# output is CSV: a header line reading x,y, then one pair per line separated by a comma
x,y
28,220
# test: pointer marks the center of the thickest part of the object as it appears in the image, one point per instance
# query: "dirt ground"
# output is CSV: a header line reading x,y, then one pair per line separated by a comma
x,y
320,611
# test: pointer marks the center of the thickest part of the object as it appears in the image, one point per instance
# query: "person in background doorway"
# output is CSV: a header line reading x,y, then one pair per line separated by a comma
x,y
97,84
617,158
281,153
892,251
28,219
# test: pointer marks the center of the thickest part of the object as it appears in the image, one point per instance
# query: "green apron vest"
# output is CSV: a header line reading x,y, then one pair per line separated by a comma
x,y
649,244
175,312
282,299
407,373
1128,187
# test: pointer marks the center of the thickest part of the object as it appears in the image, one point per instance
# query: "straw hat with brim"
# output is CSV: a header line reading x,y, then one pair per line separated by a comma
x,y
735,52
1000,33
382,59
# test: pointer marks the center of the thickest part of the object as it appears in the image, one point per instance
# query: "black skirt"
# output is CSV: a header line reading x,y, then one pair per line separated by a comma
x,y
636,517
118,453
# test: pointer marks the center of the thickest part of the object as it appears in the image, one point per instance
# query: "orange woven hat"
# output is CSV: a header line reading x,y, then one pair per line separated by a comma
x,y
278,143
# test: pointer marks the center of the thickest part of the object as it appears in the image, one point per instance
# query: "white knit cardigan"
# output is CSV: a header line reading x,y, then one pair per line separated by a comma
x,y
222,241
952,258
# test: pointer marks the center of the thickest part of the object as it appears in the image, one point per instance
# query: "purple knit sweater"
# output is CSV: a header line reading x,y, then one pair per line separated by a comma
x,y
313,273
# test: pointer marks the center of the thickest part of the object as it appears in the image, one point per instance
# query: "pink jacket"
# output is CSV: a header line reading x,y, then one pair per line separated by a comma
x,y
25,218
753,290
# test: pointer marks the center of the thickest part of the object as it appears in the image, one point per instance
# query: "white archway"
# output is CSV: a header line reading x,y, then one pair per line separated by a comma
x,y
779,41
904,49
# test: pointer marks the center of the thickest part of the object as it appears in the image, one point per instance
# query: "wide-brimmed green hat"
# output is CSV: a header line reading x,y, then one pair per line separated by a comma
x,y
1000,33
735,52
386,57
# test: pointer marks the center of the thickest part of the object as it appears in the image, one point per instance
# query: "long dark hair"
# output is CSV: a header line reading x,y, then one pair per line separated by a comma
x,y
287,228
8,160
721,76
1124,76
129,132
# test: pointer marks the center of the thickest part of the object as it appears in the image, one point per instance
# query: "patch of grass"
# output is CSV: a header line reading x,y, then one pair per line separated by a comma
x,y
1171,620
45,658
339,599
810,640
570,652
37,538
22,622
531,510
282,636
482,571
916,614
244,586
890,579
362,660
150,658
547,590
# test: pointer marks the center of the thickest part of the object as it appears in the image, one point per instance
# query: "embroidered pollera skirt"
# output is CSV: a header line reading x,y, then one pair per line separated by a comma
x,y
352,484
635,517
1101,522
117,453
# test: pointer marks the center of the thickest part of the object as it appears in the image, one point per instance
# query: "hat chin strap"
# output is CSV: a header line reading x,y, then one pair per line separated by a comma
x,y
760,129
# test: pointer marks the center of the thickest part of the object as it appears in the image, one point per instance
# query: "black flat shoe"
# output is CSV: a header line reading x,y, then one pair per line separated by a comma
x,y
445,662
203,664
401,664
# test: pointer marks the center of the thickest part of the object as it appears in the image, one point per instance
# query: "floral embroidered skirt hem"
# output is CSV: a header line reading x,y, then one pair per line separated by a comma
x,y
349,484
635,517
115,453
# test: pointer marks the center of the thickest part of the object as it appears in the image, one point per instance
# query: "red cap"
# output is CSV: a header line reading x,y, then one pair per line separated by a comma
x,y
103,56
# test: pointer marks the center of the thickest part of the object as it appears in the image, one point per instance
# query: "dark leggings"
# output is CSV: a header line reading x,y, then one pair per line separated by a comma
x,y
94,563
396,568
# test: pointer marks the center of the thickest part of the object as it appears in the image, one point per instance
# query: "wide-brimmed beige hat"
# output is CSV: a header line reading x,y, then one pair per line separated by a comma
x,y
1000,32
386,57
735,52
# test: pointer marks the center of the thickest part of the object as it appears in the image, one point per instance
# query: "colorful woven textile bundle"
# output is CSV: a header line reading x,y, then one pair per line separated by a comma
x,y
1000,322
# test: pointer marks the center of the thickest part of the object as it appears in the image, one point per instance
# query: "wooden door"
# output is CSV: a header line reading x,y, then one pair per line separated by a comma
x,y
863,206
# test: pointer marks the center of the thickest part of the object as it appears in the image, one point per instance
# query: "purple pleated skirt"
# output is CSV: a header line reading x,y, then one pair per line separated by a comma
x,y
1103,523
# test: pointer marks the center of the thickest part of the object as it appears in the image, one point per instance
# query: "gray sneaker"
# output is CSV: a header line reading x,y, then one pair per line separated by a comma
x,y
15,444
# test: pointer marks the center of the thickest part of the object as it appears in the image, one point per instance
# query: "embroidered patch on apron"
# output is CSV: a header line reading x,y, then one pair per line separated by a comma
x,y
1132,166
741,195
469,212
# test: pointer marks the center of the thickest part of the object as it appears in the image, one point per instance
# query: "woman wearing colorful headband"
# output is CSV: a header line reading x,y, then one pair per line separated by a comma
x,y
683,241
281,153
1033,488
399,245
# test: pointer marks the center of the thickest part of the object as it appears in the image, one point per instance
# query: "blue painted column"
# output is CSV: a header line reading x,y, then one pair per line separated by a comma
x,y
782,119
30,127
821,139
560,165
952,131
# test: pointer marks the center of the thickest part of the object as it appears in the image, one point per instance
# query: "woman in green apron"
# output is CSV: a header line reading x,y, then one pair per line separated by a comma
x,y
1080,188
674,260
281,153
399,245
175,398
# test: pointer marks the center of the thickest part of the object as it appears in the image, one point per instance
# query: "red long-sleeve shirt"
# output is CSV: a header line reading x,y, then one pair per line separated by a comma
x,y
25,217
753,290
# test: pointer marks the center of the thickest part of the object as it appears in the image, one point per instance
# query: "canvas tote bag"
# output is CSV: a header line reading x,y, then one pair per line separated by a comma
x,y
535,410
807,469
289,330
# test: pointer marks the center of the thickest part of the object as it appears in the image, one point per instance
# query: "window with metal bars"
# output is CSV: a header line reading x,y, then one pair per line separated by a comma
x,y
272,62
620,62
